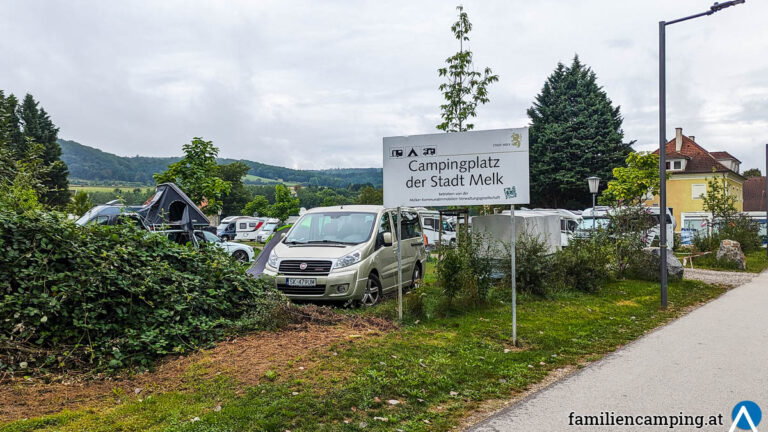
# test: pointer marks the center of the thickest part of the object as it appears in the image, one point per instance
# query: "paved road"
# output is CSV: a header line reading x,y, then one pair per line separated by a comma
x,y
702,364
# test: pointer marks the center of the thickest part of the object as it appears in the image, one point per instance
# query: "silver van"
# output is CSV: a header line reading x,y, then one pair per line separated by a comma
x,y
347,253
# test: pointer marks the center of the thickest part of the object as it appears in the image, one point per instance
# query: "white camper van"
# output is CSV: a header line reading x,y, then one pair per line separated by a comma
x,y
266,230
431,224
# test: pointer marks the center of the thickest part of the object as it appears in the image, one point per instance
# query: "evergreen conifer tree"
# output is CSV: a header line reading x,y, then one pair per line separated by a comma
x,y
575,133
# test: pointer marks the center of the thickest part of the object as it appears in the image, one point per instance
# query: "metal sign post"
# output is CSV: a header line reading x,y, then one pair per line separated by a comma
x,y
399,266
514,278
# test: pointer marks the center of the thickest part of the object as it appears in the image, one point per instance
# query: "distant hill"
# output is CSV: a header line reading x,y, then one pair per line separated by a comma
x,y
88,163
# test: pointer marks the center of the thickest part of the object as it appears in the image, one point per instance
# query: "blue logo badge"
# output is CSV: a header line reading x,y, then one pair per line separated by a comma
x,y
746,415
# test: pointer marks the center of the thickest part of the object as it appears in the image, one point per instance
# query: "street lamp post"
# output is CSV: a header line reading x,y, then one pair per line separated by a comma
x,y
594,184
663,139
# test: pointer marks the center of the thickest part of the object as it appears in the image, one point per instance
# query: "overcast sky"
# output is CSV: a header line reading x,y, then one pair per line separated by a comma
x,y
311,84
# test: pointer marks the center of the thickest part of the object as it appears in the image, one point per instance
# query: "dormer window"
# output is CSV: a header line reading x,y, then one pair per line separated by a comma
x,y
675,165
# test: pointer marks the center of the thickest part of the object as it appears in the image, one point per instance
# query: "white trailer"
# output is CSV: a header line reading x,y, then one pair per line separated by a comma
x,y
431,224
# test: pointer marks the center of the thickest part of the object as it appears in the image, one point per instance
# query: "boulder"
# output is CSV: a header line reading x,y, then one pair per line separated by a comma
x,y
730,250
674,266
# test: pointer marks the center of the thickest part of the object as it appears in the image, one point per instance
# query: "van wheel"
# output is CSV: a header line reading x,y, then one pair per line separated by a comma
x,y
415,278
372,294
240,256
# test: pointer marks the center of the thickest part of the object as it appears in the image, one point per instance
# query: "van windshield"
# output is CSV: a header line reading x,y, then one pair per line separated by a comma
x,y
332,227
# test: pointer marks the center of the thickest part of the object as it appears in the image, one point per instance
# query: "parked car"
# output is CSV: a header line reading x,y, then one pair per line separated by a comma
x,y
266,230
347,253
240,252
110,213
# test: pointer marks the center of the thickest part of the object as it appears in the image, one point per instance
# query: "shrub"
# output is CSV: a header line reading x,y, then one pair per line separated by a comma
x,y
628,232
532,265
582,266
705,242
110,297
742,229
465,270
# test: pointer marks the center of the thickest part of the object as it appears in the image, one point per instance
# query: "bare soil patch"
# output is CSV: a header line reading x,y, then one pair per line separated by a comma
x,y
245,358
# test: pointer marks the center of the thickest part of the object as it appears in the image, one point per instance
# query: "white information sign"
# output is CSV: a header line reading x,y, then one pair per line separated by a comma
x,y
457,169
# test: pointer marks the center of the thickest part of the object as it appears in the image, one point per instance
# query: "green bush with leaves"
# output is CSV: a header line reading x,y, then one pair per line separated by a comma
x,y
742,229
110,297
582,266
533,266
465,271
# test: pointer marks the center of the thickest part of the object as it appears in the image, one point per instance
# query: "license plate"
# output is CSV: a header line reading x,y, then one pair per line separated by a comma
x,y
303,282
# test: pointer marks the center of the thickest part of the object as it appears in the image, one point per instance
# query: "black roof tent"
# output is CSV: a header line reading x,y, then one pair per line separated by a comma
x,y
171,206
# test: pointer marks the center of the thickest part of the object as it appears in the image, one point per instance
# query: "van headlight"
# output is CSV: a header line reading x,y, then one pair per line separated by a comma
x,y
272,261
348,260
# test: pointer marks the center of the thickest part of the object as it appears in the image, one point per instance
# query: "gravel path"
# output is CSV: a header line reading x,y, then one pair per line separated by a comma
x,y
719,277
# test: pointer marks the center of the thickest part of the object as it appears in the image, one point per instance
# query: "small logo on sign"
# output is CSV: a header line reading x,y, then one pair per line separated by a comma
x,y
428,151
510,192
413,153
303,266
396,152
516,141
746,415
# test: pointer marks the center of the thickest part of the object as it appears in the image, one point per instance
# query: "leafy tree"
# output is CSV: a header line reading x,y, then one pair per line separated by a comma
x,y
575,133
259,205
197,174
80,204
632,182
464,88
370,195
21,180
285,205
752,172
26,125
718,200
238,195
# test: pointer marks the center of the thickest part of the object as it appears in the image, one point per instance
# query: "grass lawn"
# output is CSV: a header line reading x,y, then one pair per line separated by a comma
x,y
756,262
109,188
434,372
253,178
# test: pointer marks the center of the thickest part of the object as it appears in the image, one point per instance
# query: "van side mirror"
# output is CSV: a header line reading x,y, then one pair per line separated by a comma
x,y
386,238
282,235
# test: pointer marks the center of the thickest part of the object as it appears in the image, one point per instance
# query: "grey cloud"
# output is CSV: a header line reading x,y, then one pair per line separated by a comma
x,y
314,85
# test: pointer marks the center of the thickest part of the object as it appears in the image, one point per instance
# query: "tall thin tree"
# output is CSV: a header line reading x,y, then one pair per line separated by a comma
x,y
464,88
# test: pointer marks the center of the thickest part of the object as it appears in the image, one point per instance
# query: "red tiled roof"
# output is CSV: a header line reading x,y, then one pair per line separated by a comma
x,y
754,194
699,159
719,155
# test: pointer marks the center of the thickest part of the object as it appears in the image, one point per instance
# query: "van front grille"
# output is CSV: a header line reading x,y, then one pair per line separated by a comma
x,y
314,268
315,290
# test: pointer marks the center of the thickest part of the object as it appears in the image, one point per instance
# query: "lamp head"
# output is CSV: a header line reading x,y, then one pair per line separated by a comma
x,y
720,6
594,184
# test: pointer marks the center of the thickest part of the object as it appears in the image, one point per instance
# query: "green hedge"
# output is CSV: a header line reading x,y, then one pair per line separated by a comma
x,y
109,297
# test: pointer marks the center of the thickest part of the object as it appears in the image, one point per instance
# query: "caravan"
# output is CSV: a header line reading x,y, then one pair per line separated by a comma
x,y
239,228
266,230
432,226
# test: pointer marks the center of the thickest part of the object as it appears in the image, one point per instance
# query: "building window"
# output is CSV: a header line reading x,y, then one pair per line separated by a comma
x,y
667,165
678,165
697,190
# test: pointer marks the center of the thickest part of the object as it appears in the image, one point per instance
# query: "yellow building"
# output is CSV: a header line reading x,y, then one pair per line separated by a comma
x,y
690,166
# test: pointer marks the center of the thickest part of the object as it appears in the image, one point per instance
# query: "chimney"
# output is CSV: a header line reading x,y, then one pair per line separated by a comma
x,y
678,139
